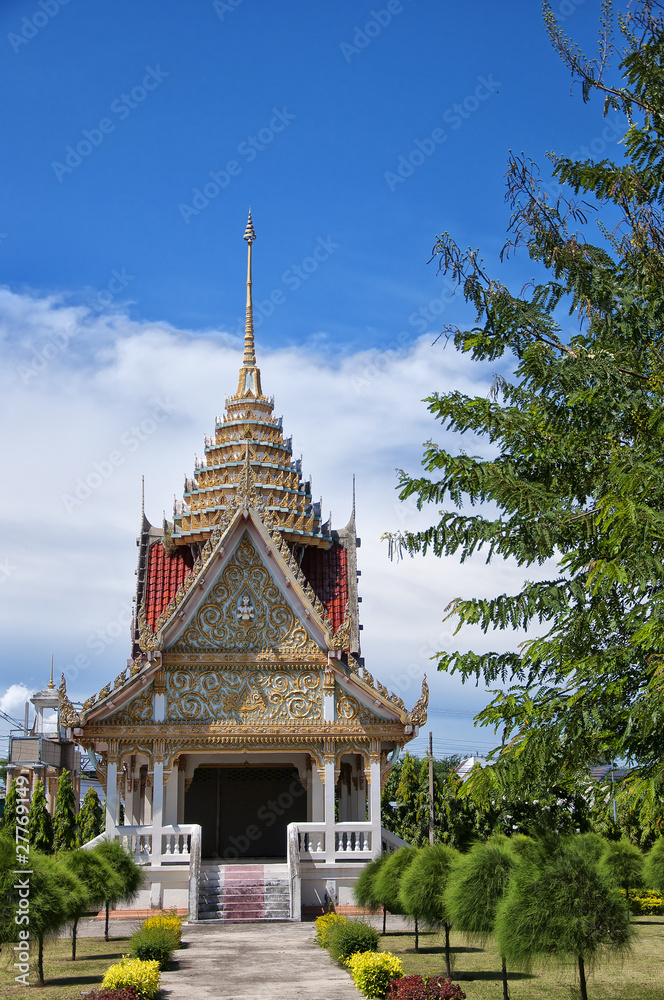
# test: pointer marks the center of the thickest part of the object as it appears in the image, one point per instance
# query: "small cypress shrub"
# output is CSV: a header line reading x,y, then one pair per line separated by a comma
x,y
350,937
155,944
373,972
654,872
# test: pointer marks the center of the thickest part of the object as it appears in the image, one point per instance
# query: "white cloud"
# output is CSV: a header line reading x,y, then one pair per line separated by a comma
x,y
12,701
91,403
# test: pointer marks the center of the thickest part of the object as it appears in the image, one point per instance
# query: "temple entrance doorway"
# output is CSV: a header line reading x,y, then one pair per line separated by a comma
x,y
244,811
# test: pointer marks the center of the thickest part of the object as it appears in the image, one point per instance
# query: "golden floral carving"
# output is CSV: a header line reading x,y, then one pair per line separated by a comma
x,y
244,696
216,624
138,710
418,716
349,709
69,717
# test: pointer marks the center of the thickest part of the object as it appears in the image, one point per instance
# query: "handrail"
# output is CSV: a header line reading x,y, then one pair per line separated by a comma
x,y
294,880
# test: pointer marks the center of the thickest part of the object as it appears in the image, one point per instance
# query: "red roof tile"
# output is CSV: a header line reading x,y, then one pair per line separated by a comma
x,y
166,574
327,572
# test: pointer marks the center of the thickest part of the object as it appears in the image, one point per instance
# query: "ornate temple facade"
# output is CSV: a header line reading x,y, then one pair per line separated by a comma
x,y
245,730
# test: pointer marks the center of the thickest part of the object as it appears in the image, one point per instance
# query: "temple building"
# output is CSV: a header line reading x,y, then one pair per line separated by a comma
x,y
245,739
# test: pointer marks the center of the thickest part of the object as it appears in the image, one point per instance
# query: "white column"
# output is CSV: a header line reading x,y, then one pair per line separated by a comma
x,y
157,810
317,797
111,795
374,805
329,811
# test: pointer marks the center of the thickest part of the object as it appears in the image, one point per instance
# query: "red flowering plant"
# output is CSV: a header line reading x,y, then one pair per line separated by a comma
x,y
424,988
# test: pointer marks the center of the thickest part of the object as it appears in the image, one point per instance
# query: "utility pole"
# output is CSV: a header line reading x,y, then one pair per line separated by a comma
x,y
431,788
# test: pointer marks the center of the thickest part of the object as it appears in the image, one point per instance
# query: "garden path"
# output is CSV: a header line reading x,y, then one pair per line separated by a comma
x,y
278,961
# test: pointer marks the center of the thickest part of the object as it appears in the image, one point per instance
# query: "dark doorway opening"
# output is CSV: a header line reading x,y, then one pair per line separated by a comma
x,y
244,811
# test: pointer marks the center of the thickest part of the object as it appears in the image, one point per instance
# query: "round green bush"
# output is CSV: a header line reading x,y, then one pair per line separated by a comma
x,y
351,937
153,944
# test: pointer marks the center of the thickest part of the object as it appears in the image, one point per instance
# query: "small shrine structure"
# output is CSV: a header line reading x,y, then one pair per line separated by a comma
x,y
246,740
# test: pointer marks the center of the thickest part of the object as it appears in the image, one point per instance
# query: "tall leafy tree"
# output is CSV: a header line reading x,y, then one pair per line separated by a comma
x,y
89,819
575,423
40,824
64,815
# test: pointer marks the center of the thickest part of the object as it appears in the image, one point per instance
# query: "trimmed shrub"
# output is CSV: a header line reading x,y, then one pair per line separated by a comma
x,y
354,935
373,972
424,988
132,972
623,863
644,902
154,944
364,891
325,925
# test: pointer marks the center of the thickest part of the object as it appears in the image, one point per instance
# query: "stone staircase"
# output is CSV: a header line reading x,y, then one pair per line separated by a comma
x,y
243,893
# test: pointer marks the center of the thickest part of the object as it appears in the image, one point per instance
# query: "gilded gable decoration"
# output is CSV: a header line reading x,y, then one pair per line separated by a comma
x,y
245,581
244,696
139,710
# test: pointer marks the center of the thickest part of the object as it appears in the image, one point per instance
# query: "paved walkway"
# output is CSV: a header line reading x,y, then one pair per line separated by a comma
x,y
271,961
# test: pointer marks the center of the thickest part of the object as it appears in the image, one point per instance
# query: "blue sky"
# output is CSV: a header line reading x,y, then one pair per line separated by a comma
x,y
136,135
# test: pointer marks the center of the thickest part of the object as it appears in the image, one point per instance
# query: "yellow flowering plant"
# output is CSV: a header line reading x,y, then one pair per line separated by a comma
x,y
143,976
373,971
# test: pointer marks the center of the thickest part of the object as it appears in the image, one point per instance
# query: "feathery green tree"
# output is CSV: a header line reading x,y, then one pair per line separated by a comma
x,y
386,883
575,422
40,824
131,876
64,815
421,890
654,868
560,904
89,819
364,892
101,882
476,885
624,863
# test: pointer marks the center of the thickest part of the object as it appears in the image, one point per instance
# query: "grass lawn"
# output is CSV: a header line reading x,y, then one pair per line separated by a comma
x,y
639,977
65,980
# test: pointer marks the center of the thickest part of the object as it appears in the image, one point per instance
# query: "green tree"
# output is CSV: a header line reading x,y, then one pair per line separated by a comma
x,y
386,884
364,891
131,876
54,895
624,863
100,880
475,887
8,822
40,824
64,815
560,904
575,425
422,888
654,870
89,819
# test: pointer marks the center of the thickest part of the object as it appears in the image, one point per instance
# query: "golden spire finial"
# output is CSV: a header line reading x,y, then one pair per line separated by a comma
x,y
50,683
249,352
